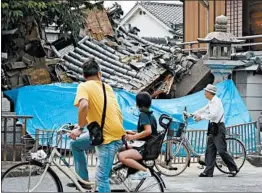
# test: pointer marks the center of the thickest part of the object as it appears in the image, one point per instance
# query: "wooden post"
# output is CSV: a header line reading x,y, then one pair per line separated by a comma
x,y
190,49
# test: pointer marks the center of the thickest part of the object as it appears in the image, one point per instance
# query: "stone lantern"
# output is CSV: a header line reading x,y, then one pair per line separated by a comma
x,y
219,50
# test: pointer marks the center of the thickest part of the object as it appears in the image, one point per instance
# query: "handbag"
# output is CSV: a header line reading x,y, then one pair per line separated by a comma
x,y
213,128
95,130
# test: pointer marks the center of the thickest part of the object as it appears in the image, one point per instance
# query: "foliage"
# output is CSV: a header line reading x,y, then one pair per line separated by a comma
x,y
66,14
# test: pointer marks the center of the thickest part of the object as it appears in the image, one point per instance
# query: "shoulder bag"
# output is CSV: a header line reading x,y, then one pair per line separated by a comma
x,y
95,130
213,127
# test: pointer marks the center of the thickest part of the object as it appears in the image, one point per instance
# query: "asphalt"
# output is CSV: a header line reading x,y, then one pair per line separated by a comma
x,y
248,180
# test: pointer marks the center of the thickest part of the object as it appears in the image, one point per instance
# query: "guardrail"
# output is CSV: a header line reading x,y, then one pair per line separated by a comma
x,y
247,133
259,136
190,44
11,133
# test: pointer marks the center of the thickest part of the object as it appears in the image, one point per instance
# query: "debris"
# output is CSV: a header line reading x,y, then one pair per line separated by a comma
x,y
127,61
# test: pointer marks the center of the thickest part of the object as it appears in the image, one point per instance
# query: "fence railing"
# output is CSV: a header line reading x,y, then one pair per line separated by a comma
x,y
191,43
11,136
247,133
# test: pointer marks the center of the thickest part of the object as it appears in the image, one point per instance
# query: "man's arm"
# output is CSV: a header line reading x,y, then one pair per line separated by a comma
x,y
82,113
81,101
213,112
201,111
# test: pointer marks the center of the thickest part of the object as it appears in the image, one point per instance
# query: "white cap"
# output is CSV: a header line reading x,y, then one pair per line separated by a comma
x,y
211,88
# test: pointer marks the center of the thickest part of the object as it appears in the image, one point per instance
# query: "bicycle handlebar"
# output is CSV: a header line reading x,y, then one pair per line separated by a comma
x,y
124,141
187,115
66,128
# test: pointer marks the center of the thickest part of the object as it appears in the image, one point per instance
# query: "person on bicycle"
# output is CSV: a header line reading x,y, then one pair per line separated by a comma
x,y
90,102
214,112
146,129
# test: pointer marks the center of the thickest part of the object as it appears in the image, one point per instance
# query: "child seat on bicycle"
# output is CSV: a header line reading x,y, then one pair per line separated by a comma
x,y
146,130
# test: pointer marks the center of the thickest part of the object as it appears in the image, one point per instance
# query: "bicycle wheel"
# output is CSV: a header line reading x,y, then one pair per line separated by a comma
x,y
178,161
237,150
24,177
121,182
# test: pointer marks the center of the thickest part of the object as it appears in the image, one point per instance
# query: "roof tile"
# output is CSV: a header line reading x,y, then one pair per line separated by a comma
x,y
167,13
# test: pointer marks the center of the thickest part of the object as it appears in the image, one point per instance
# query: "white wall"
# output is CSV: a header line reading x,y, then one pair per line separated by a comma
x,y
148,26
250,89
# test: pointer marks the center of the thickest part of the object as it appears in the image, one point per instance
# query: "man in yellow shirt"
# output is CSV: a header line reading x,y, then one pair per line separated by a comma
x,y
90,102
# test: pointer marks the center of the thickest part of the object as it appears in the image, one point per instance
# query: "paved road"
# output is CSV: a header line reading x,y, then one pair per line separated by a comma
x,y
248,180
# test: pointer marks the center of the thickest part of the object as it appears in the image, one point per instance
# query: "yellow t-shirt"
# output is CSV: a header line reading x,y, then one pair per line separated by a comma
x,y
92,90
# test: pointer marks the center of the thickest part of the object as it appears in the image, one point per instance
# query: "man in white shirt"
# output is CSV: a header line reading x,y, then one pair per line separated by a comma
x,y
214,112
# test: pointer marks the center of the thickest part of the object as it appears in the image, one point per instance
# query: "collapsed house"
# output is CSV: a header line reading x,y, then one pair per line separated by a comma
x,y
127,61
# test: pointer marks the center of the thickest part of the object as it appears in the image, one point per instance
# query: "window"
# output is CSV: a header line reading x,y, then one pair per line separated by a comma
x,y
224,51
213,51
142,12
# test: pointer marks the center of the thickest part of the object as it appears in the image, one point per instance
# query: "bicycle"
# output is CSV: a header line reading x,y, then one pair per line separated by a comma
x,y
177,147
121,178
37,173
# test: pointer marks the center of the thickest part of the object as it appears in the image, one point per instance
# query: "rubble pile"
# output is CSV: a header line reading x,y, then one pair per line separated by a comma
x,y
127,61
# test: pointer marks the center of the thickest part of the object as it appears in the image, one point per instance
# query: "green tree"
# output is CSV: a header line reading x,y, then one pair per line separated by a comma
x,y
66,14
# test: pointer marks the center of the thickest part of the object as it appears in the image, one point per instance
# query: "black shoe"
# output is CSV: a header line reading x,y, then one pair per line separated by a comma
x,y
233,173
85,186
205,175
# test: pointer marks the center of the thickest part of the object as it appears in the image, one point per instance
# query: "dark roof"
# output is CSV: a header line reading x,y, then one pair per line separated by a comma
x,y
162,41
251,61
167,13
132,76
128,61
179,32
221,37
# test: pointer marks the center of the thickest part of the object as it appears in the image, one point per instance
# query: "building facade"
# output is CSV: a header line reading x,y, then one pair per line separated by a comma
x,y
156,19
245,18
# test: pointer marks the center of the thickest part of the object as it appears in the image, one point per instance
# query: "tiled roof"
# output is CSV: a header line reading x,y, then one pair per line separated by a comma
x,y
179,32
250,61
167,13
162,41
115,72
128,61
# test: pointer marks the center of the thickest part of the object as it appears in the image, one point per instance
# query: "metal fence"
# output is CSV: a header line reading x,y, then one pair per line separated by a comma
x,y
11,133
247,133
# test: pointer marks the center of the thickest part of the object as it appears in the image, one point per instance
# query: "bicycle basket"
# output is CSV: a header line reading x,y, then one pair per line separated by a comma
x,y
152,148
33,143
176,129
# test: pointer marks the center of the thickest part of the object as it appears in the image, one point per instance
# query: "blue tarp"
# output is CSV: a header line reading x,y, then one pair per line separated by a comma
x,y
52,105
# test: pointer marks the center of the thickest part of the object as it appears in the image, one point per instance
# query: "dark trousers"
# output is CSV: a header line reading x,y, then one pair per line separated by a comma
x,y
218,144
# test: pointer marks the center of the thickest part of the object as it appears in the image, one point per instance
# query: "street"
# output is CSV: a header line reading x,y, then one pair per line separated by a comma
x,y
248,180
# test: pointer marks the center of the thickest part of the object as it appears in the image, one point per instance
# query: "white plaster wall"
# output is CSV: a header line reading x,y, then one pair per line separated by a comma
x,y
148,26
250,89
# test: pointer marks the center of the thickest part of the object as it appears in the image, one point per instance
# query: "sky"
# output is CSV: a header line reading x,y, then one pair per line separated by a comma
x,y
127,5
